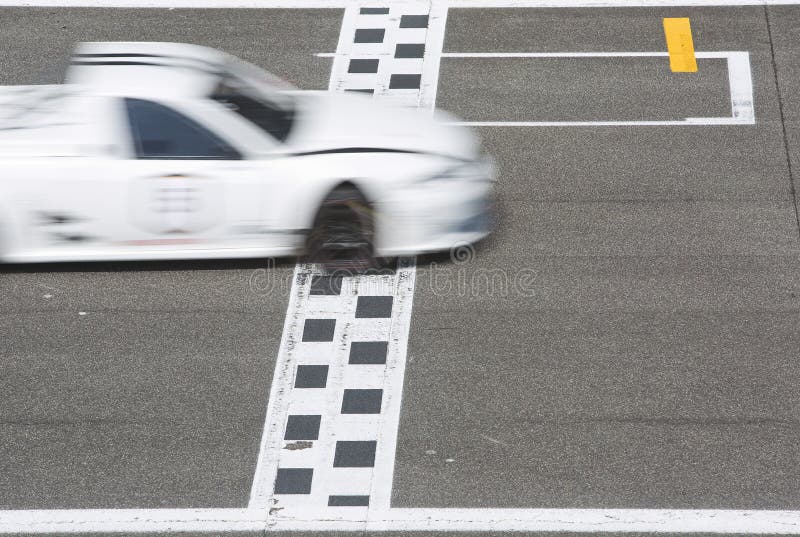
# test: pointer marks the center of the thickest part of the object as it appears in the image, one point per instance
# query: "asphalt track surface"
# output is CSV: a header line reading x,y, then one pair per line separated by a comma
x,y
649,361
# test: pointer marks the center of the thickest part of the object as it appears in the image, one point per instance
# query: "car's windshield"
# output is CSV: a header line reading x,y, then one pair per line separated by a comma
x,y
274,115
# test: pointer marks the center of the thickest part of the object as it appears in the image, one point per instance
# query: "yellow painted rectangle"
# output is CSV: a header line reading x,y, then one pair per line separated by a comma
x,y
679,45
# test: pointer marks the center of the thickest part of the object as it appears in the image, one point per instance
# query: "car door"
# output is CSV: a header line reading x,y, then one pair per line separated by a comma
x,y
66,209
190,190
66,199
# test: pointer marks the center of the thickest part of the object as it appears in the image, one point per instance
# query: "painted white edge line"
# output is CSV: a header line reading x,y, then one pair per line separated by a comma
x,y
741,85
434,44
582,520
340,4
615,54
689,121
620,54
271,435
614,3
574,520
131,520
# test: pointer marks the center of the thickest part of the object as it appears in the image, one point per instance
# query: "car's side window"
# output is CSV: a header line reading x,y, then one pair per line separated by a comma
x,y
275,121
159,132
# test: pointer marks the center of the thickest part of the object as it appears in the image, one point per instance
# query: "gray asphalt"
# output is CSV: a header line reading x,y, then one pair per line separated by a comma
x,y
135,386
627,338
545,89
647,358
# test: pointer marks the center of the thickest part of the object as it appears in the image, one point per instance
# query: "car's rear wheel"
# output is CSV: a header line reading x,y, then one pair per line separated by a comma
x,y
343,235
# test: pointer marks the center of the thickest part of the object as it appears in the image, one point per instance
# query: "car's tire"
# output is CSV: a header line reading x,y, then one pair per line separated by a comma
x,y
343,235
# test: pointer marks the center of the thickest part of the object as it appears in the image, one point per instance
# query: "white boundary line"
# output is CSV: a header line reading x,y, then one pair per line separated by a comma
x,y
272,435
576,520
711,54
131,520
689,121
741,85
341,58
589,520
340,4
613,3
434,43
719,521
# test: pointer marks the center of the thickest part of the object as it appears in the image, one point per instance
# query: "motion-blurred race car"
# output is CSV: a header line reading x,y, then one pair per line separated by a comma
x,y
174,151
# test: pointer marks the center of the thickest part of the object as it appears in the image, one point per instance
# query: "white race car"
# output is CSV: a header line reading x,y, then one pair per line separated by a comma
x,y
175,151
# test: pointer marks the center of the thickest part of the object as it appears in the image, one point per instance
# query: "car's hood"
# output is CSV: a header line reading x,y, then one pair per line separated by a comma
x,y
328,122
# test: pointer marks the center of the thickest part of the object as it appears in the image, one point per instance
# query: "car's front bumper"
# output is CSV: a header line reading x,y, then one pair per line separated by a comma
x,y
435,218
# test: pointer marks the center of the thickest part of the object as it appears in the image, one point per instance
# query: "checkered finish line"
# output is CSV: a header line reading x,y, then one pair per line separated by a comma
x,y
382,50
332,423
331,431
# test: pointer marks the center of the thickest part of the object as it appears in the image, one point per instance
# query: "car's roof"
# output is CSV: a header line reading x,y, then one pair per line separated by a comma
x,y
167,69
163,70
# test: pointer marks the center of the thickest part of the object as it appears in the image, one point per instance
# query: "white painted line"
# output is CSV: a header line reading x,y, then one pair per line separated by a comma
x,y
131,520
689,121
754,522
741,56
272,436
712,54
739,76
741,84
620,54
591,520
341,59
341,4
434,44
612,3
171,4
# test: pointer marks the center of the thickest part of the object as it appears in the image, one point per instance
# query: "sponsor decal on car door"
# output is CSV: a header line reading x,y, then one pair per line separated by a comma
x,y
177,204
